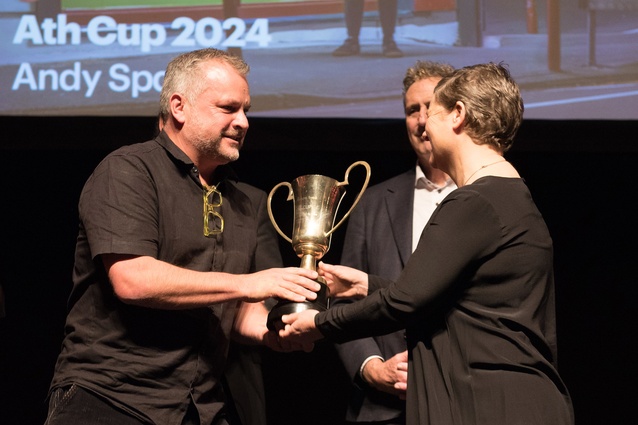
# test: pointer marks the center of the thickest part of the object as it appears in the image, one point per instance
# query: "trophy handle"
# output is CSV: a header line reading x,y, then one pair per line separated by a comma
x,y
272,218
356,201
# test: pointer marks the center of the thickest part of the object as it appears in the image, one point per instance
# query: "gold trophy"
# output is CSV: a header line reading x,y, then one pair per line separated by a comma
x,y
316,201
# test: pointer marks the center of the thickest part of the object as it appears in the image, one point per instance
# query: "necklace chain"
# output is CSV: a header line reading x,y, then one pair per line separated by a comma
x,y
481,167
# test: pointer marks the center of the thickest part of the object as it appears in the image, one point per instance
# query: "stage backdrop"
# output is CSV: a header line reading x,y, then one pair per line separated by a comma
x,y
107,57
580,173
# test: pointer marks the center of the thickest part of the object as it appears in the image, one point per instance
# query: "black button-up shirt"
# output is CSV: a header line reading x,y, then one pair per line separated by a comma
x,y
146,199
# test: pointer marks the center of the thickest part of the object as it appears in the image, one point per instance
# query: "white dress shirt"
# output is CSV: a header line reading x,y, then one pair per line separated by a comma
x,y
427,197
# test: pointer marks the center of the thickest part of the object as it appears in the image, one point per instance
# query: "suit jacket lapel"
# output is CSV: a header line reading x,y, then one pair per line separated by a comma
x,y
399,200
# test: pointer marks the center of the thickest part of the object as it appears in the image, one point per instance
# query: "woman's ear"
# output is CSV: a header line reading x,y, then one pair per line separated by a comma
x,y
458,114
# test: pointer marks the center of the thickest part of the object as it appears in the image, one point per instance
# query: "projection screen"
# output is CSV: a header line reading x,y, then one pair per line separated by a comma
x,y
574,59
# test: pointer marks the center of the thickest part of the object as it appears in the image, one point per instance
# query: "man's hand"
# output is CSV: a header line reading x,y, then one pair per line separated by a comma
x,y
290,283
179,288
390,376
273,341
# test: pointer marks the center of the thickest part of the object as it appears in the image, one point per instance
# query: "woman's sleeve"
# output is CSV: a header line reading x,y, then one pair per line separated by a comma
x,y
462,231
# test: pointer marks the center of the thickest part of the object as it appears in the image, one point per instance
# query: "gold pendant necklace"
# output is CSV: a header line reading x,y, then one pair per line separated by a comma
x,y
481,167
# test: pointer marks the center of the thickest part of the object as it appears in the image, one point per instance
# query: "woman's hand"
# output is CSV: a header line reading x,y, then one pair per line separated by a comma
x,y
343,281
300,330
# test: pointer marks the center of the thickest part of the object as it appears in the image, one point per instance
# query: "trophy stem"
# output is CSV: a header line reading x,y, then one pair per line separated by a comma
x,y
308,262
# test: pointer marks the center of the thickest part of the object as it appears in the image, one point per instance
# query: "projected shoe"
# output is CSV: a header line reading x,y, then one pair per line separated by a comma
x,y
390,50
350,47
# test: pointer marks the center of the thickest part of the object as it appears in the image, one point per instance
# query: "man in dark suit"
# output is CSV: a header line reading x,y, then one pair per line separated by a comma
x,y
382,232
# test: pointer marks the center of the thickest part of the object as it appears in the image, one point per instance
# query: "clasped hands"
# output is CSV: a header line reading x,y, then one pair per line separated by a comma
x,y
300,331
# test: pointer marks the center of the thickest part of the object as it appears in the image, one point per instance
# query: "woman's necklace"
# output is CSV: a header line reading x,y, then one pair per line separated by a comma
x,y
481,167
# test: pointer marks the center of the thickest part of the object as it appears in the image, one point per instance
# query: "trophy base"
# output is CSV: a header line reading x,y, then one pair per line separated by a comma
x,y
274,322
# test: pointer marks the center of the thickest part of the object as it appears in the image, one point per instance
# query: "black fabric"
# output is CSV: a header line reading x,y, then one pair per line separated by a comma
x,y
75,405
146,199
477,300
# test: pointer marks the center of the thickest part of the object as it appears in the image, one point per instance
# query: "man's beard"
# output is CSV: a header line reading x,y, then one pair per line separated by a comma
x,y
211,148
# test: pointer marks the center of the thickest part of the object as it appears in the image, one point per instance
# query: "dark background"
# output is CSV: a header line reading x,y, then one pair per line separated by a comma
x,y
581,174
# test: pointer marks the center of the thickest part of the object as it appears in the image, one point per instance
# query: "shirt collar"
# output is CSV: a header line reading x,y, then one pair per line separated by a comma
x,y
223,171
422,182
